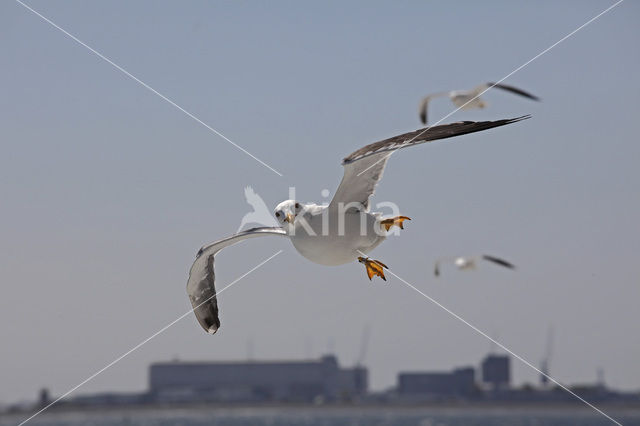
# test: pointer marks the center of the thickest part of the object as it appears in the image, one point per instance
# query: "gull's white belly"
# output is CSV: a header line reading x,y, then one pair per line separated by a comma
x,y
467,101
334,247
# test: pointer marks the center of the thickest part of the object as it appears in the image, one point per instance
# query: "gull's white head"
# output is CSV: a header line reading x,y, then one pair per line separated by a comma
x,y
287,211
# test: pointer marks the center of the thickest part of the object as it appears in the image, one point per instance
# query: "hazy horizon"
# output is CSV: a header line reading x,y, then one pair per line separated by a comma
x,y
108,191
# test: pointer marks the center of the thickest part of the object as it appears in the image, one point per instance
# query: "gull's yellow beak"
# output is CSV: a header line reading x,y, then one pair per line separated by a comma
x,y
289,218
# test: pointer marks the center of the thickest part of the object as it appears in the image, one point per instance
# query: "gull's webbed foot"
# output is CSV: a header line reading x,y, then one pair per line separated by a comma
x,y
388,223
373,267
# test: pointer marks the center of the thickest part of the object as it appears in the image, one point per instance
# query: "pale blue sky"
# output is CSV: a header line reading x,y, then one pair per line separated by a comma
x,y
108,191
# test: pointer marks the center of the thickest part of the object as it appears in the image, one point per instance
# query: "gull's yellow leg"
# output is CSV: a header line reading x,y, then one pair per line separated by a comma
x,y
388,223
373,267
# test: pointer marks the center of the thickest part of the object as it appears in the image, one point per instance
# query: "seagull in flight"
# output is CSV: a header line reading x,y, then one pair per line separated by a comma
x,y
469,99
343,231
470,262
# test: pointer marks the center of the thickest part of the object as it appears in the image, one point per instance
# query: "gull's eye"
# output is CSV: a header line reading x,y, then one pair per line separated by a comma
x,y
297,205
277,214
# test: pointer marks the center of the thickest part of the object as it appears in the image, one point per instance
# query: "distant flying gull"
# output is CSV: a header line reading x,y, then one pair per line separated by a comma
x,y
328,234
469,99
470,262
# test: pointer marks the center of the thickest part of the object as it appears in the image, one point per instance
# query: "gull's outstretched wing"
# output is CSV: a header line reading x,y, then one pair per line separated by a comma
x,y
498,261
511,89
201,285
363,168
424,105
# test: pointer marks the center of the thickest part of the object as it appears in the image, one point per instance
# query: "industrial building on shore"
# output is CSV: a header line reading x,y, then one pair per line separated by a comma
x,y
257,381
461,383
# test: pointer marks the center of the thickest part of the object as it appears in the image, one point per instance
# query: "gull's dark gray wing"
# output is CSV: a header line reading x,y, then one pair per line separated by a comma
x,y
515,90
423,108
427,134
363,168
201,285
498,261
437,266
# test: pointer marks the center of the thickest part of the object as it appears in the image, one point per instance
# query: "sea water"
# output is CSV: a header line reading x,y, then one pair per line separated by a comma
x,y
332,416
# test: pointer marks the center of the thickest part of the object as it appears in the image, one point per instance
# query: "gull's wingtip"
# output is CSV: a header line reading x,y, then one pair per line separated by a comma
x,y
522,117
515,90
499,261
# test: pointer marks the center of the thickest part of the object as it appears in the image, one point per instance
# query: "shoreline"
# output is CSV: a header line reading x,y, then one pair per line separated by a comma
x,y
360,408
